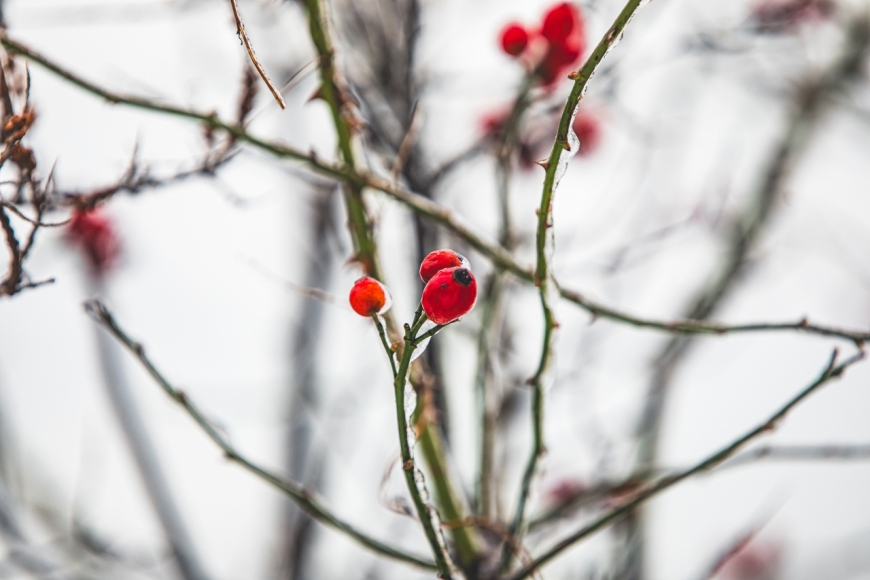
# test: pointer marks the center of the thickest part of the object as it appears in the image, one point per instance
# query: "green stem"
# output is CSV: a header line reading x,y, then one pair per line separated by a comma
x,y
389,350
424,510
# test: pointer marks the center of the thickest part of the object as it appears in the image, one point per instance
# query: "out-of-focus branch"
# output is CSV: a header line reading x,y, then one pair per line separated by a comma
x,y
305,455
491,302
306,498
439,214
543,277
607,491
831,371
147,462
800,453
11,284
810,102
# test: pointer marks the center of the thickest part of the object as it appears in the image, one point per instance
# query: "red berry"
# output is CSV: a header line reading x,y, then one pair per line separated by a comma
x,y
588,130
369,297
562,55
96,236
560,21
439,260
514,39
786,15
449,295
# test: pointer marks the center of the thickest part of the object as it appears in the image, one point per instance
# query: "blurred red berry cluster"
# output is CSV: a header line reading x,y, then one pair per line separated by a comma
x,y
95,235
554,48
534,142
786,15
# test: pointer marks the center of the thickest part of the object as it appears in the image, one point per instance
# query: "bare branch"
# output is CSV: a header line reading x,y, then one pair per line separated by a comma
x,y
439,214
831,371
306,498
240,27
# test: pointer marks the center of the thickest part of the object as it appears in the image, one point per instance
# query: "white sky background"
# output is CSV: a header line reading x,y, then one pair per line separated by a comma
x,y
686,130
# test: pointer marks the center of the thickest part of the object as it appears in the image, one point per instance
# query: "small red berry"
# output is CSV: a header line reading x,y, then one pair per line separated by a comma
x,y
449,295
777,16
560,21
514,39
439,260
369,297
96,236
588,130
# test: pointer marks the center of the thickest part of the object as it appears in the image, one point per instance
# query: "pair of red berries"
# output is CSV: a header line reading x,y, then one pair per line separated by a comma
x,y
450,291
561,40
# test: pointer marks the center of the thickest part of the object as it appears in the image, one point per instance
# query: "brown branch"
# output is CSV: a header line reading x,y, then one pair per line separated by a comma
x,y
11,283
831,371
305,497
437,213
240,30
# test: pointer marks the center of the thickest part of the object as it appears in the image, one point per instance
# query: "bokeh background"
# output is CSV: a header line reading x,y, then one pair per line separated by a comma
x,y
690,108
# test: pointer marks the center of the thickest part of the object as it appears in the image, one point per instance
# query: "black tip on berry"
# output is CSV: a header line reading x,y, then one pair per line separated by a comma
x,y
463,276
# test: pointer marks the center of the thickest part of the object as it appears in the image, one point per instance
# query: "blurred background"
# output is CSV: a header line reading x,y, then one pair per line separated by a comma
x,y
722,175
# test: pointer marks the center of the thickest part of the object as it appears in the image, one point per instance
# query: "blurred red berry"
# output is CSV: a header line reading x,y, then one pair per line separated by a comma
x,y
514,39
785,15
566,490
588,130
439,260
96,236
754,562
492,124
553,50
560,21
566,42
369,297
449,295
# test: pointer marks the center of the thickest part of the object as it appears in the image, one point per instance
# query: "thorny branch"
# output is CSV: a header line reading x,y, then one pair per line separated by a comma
x,y
413,477
543,277
306,498
831,371
437,213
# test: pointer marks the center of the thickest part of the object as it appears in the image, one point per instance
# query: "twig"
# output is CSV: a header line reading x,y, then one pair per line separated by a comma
x,y
612,489
11,284
439,214
146,459
831,371
304,497
413,476
499,530
306,291
11,207
800,453
407,144
240,27
543,277
387,348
